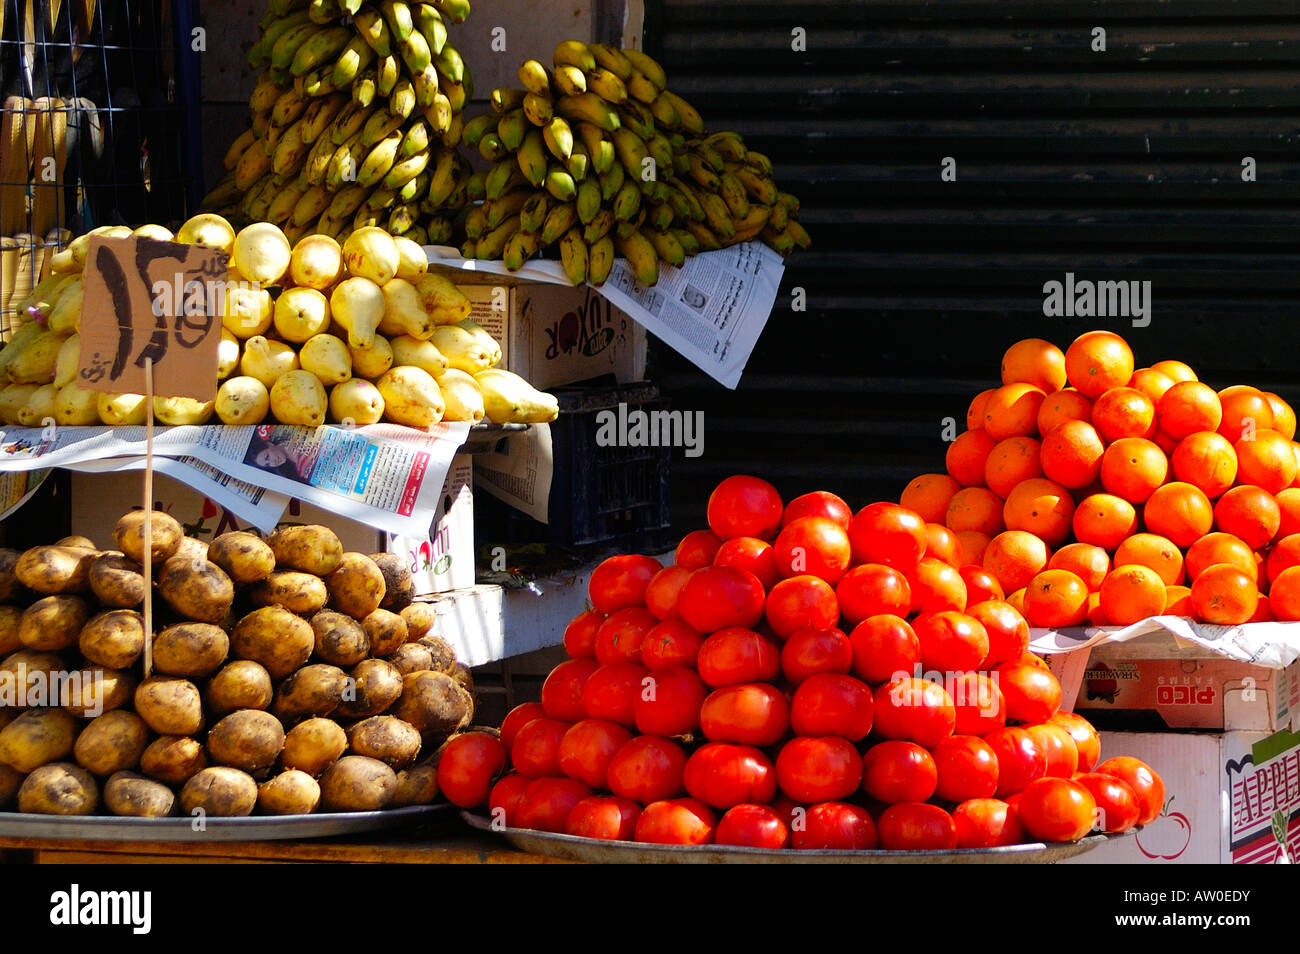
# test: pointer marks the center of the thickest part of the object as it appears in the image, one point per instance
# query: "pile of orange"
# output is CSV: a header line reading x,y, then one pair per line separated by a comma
x,y
1101,494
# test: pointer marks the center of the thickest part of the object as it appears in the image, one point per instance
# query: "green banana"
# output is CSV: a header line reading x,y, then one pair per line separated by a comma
x,y
491,148
319,82
475,223
324,11
286,47
324,46
590,108
531,157
661,216
401,101
388,70
416,138
611,181
502,178
559,220
578,162
598,227
476,188
512,127
558,138
690,245
504,100
343,163
708,242
403,218
415,187
356,56
599,147
627,201
491,243
429,22
454,10
381,199
398,17
758,162
798,233
450,64
278,28
696,212
381,158
661,149
476,127
512,203
534,210
559,183
722,147
371,27
415,52
364,88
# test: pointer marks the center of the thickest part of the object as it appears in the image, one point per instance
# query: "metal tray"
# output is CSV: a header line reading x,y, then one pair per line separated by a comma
x,y
596,851
248,828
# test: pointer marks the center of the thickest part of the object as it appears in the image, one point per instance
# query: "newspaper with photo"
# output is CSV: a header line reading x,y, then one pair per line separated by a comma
x,y
519,471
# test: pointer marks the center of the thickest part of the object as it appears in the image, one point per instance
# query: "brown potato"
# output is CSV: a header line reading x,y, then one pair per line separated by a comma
x,y
114,639
37,737
192,549
27,678
242,684
111,743
116,580
59,788
444,656
310,549
399,589
50,570
410,658
314,690
340,639
417,785
190,649
173,759
387,632
10,781
434,703
75,540
52,623
460,672
311,746
245,557
356,585
376,685
9,620
419,618
274,637
92,691
11,590
169,706
296,592
289,793
166,535
249,739
357,784
134,796
392,741
200,591
219,791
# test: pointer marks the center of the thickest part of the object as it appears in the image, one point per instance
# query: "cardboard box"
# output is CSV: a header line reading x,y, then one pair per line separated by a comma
x,y
444,561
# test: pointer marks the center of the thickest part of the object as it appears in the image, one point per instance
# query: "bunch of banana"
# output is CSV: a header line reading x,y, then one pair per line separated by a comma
x,y
598,155
355,121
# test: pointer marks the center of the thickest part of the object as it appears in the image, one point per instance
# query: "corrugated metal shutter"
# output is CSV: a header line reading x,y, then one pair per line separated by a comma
x,y
1123,164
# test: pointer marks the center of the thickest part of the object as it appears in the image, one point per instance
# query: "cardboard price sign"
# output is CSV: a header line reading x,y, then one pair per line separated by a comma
x,y
146,299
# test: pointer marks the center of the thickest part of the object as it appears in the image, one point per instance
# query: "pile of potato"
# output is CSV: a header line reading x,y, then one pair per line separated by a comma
x,y
288,677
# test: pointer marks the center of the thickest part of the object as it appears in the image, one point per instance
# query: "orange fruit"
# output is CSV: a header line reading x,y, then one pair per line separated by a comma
x,y
1017,600
1132,593
1097,361
942,544
1034,361
975,412
1088,562
1188,407
1164,442
1296,447
1215,548
1267,461
1151,382
966,455
1155,551
936,587
1175,369
1064,405
1225,595
1096,616
928,495
1011,461
1123,412
1104,520
1283,415
1133,468
1263,611
973,544
975,508
1041,506
1245,411
1012,411
1282,556
1205,459
1071,454
1284,595
1179,511
1056,598
1249,513
1015,557
1178,601
1288,503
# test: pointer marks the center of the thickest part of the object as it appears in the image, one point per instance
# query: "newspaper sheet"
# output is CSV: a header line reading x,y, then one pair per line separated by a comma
x,y
520,472
17,488
711,310
1274,645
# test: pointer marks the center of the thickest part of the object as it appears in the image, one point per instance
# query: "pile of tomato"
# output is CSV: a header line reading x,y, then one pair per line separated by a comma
x,y
801,677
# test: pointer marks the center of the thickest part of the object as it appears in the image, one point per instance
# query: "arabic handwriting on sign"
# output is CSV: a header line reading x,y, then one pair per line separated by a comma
x,y
97,369
115,282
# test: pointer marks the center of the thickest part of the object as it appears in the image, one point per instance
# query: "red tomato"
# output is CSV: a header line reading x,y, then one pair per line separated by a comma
x,y
873,589
1020,760
669,703
611,692
801,602
662,593
620,581
1116,800
896,771
517,718
815,546
580,634
680,821
835,826
562,690
547,803
753,826
889,534
1056,809
810,651
884,647
468,764
942,544
737,655
1058,749
979,703
936,586
672,641
967,768
620,636
824,769
646,769
753,555
981,585
588,747
503,802
717,597
722,774
697,549
607,817
743,506
536,752
987,823
913,826
951,641
916,710
832,704
1007,631
819,503
1086,740
1032,693
749,713
1146,784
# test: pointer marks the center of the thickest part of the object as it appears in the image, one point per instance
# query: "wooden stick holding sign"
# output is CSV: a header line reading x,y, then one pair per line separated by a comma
x,y
151,325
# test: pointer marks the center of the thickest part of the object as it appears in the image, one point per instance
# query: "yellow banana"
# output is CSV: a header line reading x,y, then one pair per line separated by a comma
x,y
641,257
370,26
503,177
289,106
690,245
608,86
343,164
238,147
440,117
364,88
665,113
600,149
511,128
532,157
559,220
282,204
578,162
504,100
573,256
387,71
647,66
451,64
425,84
491,244
666,247
703,175
686,113
574,53
590,108
559,183
415,139
759,187
600,259
415,52
627,201
533,212
258,199
252,165
758,162
401,101
611,181
798,233
347,201
405,171
609,58
476,127
534,78
290,151
282,53
475,223
429,22
350,121
558,138
641,88
380,159
443,179
703,235
519,248
320,114
717,215
512,203
569,80
323,46
491,148
632,152
733,193
398,17
538,109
